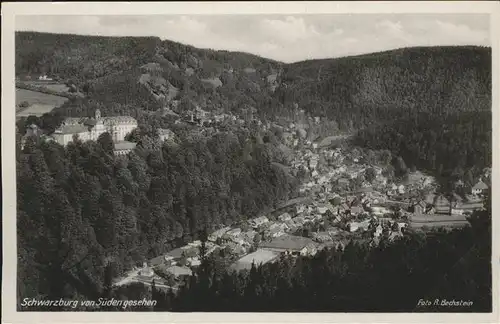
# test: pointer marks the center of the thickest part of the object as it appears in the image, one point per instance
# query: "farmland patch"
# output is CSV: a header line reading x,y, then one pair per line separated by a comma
x,y
36,103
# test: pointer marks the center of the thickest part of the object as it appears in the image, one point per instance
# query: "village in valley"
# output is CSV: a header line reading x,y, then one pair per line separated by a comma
x,y
312,163
343,198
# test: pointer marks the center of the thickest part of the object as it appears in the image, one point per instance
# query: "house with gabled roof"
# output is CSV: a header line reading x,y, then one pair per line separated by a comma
x,y
479,188
179,272
356,210
218,234
291,244
419,207
256,222
284,217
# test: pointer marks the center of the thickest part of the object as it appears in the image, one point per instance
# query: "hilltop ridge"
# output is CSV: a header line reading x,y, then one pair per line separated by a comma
x,y
354,91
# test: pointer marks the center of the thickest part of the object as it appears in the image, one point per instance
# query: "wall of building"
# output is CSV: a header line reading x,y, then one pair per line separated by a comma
x,y
118,133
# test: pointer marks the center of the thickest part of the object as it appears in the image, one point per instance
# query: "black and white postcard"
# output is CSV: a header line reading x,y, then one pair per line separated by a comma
x,y
249,162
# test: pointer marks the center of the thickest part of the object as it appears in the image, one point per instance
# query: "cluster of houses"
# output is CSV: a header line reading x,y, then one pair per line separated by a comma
x,y
378,207
337,204
204,118
44,78
181,262
370,211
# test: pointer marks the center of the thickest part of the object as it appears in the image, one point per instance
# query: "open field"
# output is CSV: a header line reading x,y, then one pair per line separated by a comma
x,y
448,221
437,218
449,224
39,103
52,86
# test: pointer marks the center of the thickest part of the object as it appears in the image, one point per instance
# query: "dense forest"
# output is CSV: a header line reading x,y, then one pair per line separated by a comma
x,y
80,209
361,90
146,72
454,146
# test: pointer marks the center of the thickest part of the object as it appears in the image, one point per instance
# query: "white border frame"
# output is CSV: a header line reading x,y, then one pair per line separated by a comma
x,y
9,10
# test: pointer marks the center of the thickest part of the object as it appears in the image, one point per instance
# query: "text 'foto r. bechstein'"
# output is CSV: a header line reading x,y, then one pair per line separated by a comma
x,y
300,165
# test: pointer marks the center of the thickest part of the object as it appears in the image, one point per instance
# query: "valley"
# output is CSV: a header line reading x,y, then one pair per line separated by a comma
x,y
205,178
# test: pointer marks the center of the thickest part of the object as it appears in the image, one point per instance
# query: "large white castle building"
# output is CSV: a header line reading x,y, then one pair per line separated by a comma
x,y
91,128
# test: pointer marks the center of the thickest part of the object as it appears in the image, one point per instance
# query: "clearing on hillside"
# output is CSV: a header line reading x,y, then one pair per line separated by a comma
x,y
38,103
54,86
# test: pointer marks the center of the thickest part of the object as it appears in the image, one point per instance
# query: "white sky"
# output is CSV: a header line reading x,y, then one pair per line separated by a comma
x,y
286,38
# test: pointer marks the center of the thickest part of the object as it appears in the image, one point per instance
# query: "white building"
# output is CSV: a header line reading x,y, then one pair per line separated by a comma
x,y
284,217
323,180
218,234
91,128
378,231
165,134
44,78
256,222
313,162
234,233
300,208
354,226
479,188
379,211
322,209
146,271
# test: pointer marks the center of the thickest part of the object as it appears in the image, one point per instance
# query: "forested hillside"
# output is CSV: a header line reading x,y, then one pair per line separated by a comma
x,y
361,90
81,210
80,57
454,146
147,73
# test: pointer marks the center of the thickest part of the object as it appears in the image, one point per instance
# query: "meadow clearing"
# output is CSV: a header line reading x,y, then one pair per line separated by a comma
x,y
38,102
56,87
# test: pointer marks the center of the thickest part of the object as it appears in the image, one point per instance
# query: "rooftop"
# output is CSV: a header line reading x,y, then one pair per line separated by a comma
x,y
163,131
289,242
72,129
124,145
186,250
221,231
258,257
431,218
157,261
180,271
81,124
480,186
118,119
